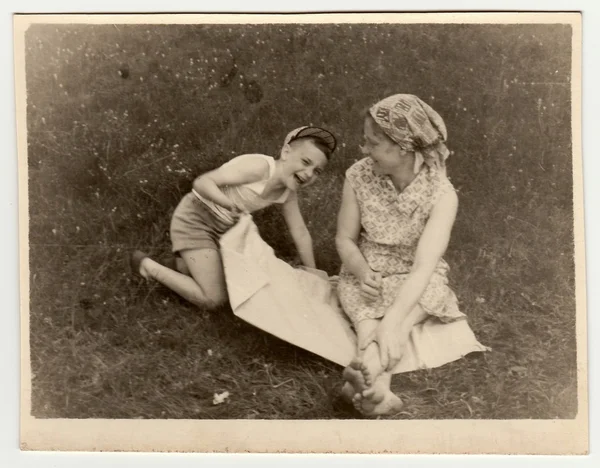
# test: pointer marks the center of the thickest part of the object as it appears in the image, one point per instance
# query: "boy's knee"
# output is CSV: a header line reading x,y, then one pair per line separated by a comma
x,y
210,299
217,298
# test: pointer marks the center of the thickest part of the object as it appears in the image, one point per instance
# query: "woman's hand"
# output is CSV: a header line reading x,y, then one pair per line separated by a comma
x,y
391,340
370,285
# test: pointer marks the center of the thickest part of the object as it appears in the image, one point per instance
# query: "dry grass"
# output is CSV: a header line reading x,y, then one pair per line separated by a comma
x,y
120,121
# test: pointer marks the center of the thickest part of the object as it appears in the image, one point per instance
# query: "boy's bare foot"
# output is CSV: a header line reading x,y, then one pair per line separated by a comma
x,y
170,262
136,263
181,267
175,263
354,375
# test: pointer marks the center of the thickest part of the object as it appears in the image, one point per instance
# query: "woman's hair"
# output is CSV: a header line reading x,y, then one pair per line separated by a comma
x,y
318,143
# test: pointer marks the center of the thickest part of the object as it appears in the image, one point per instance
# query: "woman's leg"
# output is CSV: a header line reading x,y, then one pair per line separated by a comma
x,y
206,286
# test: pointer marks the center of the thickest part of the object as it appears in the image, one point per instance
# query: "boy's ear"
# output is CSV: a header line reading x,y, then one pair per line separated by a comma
x,y
285,151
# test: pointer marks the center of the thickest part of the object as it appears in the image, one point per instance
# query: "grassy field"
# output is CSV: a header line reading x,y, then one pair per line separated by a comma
x,y
121,119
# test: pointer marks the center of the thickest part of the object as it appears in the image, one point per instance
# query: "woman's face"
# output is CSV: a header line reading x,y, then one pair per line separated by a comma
x,y
386,154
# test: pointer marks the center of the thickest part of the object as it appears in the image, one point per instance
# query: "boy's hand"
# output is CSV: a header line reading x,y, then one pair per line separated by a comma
x,y
236,213
370,285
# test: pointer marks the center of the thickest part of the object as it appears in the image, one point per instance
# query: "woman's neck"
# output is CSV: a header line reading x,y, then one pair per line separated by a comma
x,y
404,173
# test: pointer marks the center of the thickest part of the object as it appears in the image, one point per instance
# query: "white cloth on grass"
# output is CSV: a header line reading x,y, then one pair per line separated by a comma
x,y
300,306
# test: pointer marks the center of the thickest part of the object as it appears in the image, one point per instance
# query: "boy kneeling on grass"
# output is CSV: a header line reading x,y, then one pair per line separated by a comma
x,y
245,184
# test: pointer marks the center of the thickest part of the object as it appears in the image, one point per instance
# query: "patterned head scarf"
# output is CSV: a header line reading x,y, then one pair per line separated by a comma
x,y
415,127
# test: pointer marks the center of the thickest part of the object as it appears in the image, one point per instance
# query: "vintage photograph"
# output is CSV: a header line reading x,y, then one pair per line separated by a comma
x,y
310,217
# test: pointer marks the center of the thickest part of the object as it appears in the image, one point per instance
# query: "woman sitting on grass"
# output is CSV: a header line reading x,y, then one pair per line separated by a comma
x,y
397,212
243,185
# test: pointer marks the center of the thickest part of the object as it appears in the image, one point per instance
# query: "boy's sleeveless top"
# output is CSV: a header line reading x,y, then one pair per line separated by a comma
x,y
246,197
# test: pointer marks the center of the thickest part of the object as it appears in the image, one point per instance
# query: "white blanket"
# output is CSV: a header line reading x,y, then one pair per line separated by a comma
x,y
300,306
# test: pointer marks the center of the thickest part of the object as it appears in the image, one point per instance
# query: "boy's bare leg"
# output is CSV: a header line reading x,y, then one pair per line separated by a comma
x,y
206,286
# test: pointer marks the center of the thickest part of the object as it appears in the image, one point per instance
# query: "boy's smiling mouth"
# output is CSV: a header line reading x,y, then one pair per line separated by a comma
x,y
299,180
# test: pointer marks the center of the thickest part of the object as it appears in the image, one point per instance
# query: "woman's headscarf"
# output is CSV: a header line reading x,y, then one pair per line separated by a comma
x,y
415,127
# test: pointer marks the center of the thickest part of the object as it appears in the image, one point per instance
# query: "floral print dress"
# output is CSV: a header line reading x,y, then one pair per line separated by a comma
x,y
391,225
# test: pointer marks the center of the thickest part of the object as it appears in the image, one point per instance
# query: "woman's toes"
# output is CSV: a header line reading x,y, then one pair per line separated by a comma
x,y
368,393
356,363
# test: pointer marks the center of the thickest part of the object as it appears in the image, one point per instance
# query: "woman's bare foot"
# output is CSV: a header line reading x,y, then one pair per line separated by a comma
x,y
367,375
390,404
357,402
381,405
367,400
348,392
375,389
377,399
354,376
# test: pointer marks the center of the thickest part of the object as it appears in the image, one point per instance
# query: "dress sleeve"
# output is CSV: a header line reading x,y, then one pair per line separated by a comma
x,y
442,187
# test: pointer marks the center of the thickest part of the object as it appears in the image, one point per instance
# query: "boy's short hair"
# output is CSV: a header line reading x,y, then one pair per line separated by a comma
x,y
317,143
319,137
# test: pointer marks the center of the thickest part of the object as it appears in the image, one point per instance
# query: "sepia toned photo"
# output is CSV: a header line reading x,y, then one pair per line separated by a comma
x,y
302,233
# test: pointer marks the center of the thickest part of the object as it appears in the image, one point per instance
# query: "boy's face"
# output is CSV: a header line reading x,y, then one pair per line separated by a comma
x,y
303,163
